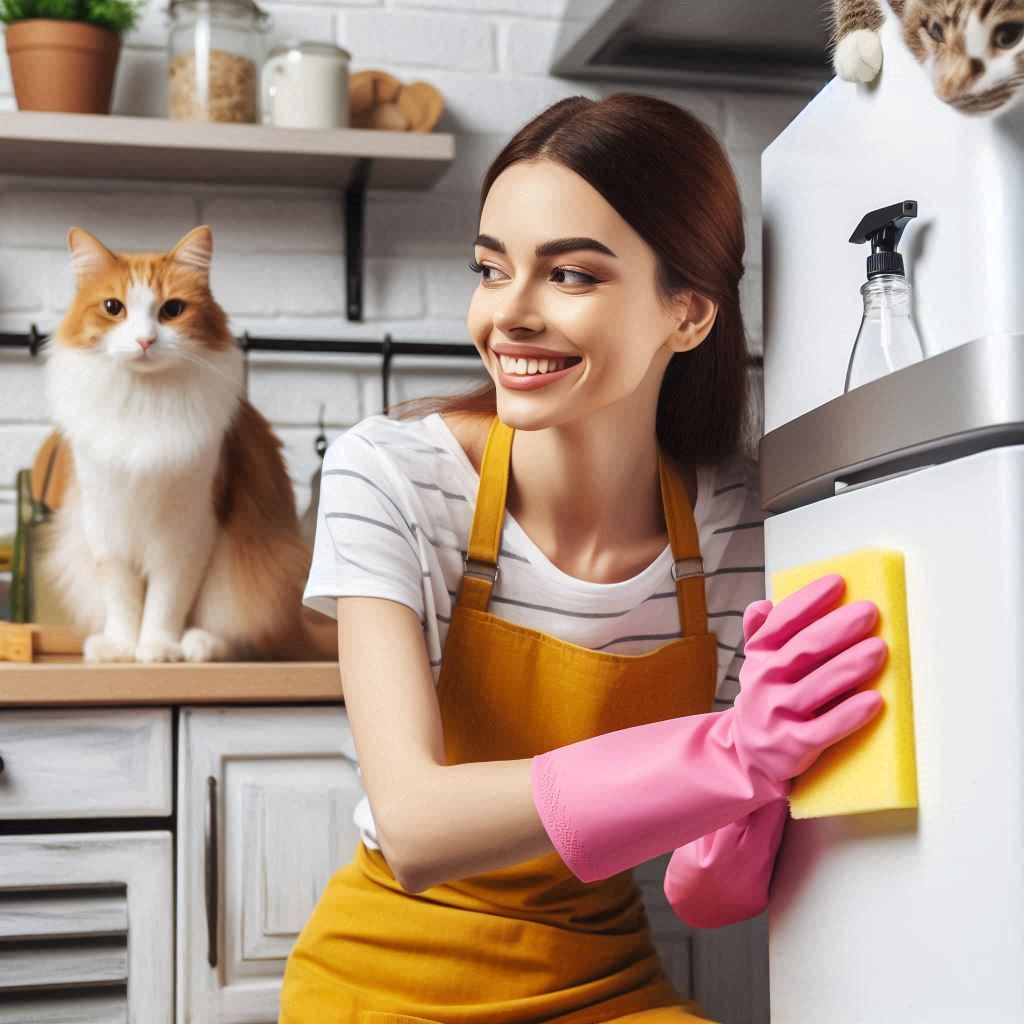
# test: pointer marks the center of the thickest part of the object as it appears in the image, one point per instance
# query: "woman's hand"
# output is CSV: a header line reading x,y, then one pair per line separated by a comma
x,y
724,877
800,681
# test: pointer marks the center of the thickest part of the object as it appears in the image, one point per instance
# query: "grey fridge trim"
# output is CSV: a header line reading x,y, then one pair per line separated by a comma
x,y
965,400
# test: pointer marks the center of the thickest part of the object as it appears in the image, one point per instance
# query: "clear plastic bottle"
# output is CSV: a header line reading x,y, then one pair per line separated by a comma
x,y
887,339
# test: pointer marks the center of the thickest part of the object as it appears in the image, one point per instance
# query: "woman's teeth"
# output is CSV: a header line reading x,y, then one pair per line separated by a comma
x,y
524,367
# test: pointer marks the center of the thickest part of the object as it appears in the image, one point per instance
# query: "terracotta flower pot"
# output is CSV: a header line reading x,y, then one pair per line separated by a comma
x,y
62,65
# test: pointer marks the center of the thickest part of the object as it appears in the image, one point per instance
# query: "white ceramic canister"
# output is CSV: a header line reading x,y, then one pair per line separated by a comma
x,y
305,85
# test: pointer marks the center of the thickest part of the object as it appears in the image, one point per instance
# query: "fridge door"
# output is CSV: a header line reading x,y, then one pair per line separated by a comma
x,y
899,916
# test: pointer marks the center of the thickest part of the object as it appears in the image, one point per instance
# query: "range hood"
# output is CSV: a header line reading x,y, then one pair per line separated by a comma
x,y
779,45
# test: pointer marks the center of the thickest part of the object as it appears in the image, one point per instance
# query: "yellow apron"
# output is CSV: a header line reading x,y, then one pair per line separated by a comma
x,y
528,943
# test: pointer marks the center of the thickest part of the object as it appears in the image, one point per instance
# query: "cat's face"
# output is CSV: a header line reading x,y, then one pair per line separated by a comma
x,y
150,312
973,50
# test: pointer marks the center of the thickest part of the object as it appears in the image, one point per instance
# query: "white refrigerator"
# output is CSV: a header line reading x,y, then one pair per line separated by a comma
x,y
899,917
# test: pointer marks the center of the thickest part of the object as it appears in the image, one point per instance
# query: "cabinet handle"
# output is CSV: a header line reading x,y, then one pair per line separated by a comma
x,y
1,764
210,870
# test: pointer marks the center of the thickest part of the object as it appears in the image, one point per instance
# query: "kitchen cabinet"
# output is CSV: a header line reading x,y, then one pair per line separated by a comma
x,y
166,830
265,801
86,927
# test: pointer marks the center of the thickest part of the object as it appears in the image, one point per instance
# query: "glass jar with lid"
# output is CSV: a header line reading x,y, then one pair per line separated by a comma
x,y
305,85
215,52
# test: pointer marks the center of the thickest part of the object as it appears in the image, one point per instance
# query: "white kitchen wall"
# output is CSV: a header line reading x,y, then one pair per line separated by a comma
x,y
278,253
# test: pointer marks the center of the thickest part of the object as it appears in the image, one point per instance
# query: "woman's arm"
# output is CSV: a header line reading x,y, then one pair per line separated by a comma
x,y
724,877
435,822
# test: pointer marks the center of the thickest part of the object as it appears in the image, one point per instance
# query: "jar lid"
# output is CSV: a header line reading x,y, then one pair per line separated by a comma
x,y
309,46
249,7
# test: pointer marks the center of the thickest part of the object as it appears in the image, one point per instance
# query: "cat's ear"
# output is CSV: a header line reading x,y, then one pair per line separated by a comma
x,y
88,254
195,250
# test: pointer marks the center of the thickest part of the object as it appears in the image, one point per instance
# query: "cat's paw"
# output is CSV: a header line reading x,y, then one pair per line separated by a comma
x,y
104,647
858,57
158,648
198,645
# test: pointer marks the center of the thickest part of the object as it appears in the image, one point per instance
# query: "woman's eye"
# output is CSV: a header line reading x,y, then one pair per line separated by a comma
x,y
935,31
581,278
1008,34
172,308
113,306
478,268
578,276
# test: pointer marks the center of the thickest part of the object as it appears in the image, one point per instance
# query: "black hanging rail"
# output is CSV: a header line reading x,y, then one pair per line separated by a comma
x,y
386,348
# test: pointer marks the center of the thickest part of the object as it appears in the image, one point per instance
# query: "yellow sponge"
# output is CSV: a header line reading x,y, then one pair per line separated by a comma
x,y
874,768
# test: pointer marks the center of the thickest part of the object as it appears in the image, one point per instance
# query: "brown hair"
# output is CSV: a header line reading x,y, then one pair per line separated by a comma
x,y
669,178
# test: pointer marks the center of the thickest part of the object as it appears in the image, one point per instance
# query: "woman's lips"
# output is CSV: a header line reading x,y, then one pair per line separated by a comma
x,y
521,382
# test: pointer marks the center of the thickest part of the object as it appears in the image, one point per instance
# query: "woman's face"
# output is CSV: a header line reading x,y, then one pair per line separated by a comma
x,y
565,277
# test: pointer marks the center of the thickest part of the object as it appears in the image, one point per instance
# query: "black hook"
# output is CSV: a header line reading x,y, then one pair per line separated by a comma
x,y
243,341
321,438
35,340
385,367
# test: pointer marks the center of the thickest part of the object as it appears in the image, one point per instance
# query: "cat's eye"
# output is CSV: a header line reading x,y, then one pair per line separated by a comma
x,y
935,31
113,306
1008,34
172,308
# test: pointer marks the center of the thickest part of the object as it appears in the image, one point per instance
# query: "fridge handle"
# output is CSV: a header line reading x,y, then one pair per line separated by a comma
x,y
842,485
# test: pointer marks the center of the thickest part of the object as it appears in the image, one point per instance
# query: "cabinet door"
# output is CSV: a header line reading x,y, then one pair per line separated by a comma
x,y
265,802
85,928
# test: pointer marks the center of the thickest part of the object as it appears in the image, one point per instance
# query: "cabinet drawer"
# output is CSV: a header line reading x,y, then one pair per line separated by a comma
x,y
94,763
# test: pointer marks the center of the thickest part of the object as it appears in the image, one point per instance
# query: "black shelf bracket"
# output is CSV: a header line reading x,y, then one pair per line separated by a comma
x,y
355,210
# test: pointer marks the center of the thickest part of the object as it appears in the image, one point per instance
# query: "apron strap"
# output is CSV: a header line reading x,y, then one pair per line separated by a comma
x,y
687,564
481,564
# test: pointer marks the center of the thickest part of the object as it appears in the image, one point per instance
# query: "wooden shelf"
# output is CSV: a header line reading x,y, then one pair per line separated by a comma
x,y
107,146
68,681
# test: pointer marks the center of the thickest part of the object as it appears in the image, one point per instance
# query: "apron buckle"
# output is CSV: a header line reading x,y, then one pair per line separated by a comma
x,y
686,568
483,570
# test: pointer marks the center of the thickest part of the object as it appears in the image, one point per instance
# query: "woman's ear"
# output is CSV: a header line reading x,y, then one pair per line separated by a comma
x,y
696,316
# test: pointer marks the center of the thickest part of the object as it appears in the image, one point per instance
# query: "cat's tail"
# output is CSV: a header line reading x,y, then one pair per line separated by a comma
x,y
319,636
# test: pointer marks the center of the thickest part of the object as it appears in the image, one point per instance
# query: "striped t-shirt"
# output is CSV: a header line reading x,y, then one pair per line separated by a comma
x,y
396,507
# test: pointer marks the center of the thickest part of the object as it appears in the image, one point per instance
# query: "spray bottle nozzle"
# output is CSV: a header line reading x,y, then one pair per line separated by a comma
x,y
883,228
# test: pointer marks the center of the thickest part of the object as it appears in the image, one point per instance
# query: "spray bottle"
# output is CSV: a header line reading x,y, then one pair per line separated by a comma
x,y
887,339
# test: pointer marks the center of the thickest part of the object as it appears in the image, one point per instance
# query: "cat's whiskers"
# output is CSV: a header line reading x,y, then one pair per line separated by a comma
x,y
232,384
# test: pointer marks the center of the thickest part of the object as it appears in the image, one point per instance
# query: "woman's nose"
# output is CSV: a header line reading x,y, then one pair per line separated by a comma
x,y
518,315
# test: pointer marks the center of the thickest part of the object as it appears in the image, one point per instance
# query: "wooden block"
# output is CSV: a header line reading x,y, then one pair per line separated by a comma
x,y
15,641
22,641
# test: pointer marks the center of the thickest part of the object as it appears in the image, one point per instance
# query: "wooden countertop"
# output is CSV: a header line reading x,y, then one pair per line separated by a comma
x,y
65,679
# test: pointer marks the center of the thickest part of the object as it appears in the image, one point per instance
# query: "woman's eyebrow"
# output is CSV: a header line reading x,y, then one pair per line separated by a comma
x,y
552,248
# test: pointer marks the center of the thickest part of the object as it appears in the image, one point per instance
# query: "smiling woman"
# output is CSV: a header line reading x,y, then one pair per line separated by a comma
x,y
523,578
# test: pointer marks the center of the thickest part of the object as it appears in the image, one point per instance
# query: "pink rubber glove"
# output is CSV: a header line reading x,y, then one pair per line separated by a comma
x,y
724,877
613,801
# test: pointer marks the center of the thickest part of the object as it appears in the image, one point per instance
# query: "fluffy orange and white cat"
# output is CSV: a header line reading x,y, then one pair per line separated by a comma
x,y
177,538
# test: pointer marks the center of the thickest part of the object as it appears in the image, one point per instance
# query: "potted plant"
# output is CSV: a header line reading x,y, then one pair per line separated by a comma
x,y
63,53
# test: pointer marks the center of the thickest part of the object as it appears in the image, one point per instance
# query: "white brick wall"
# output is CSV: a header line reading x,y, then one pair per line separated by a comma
x,y
278,253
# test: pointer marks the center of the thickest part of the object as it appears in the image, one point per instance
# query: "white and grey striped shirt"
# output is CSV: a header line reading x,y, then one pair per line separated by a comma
x,y
396,506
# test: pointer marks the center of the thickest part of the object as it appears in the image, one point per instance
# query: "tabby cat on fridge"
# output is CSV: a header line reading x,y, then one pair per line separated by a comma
x,y
972,50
